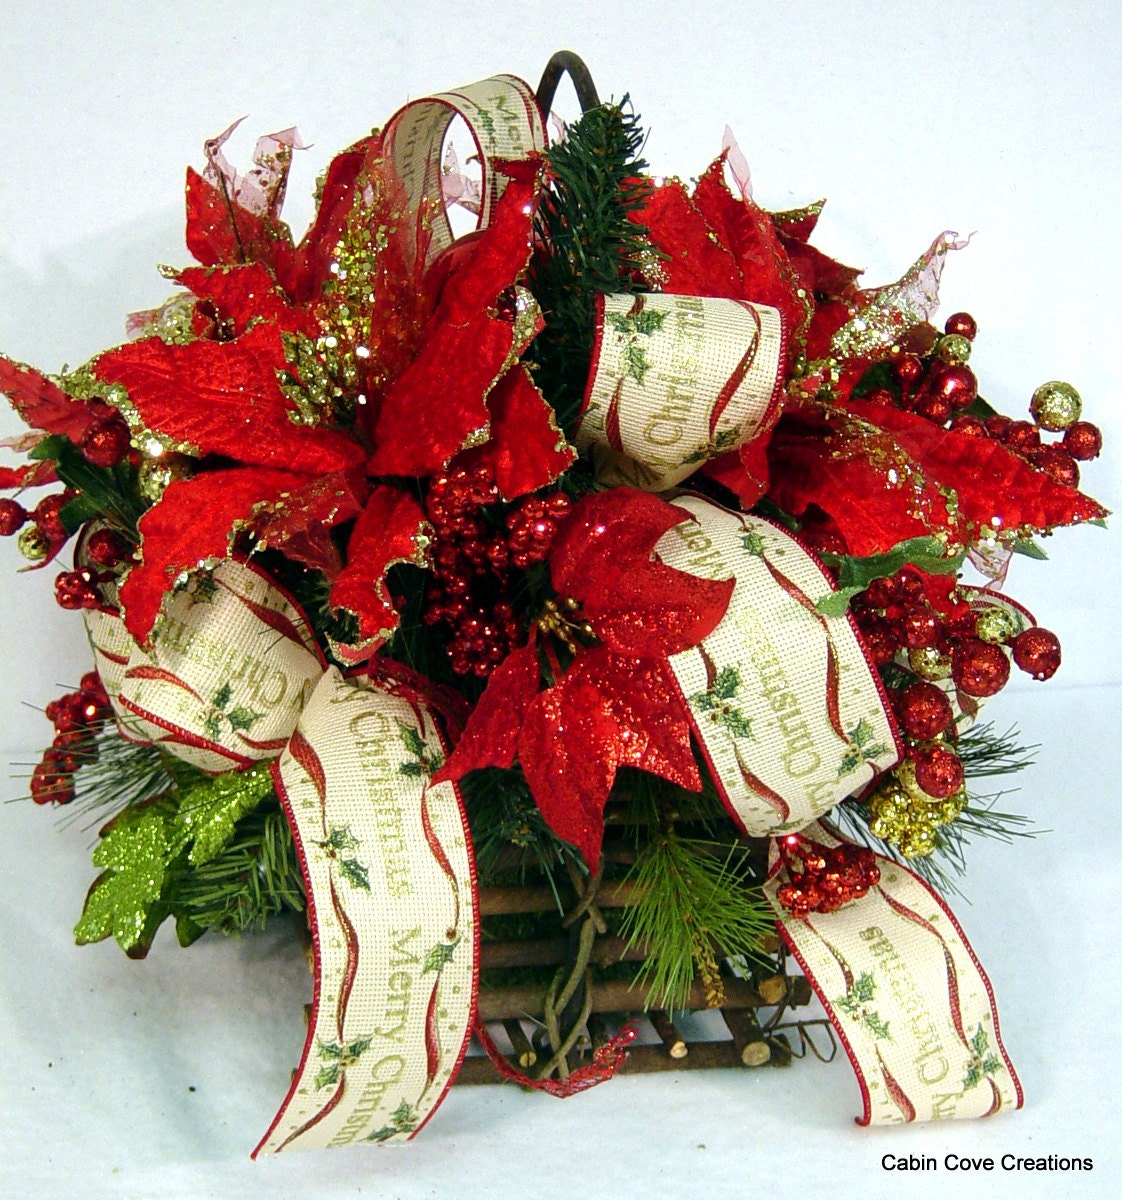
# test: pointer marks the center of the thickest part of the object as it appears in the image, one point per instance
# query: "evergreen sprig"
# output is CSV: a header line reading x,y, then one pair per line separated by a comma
x,y
698,902
593,245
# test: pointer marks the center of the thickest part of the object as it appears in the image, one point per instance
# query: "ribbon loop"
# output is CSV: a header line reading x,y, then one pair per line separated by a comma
x,y
505,122
786,705
391,904
230,669
677,380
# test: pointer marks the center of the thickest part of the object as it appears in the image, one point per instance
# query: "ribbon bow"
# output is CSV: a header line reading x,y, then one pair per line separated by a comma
x,y
784,704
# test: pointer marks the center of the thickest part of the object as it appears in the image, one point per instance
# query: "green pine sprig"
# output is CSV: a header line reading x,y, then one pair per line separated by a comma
x,y
593,245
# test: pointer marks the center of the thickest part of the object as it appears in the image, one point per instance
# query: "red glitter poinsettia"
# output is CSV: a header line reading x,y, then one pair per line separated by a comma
x,y
436,374
616,703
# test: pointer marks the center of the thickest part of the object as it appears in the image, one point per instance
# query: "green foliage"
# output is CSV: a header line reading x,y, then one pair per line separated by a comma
x,y
855,574
110,492
126,899
511,839
584,220
148,846
699,902
255,877
209,811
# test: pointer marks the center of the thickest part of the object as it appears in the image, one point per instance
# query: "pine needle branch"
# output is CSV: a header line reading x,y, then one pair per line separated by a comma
x,y
594,246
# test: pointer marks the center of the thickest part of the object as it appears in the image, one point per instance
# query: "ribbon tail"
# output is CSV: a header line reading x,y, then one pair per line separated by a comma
x,y
909,1000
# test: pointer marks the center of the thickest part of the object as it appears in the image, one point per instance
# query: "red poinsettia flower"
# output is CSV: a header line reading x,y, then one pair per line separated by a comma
x,y
883,475
432,372
617,703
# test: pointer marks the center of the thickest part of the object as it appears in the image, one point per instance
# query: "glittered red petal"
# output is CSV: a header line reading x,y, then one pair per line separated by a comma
x,y
41,403
239,295
875,494
637,605
643,697
570,747
224,398
490,738
391,529
527,450
195,520
996,487
438,406
300,526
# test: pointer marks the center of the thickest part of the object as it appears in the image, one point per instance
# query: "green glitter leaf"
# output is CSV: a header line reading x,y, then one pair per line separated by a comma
x,y
124,900
439,956
209,811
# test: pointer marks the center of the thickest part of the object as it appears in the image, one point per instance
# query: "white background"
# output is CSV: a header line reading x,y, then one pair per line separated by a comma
x,y
999,119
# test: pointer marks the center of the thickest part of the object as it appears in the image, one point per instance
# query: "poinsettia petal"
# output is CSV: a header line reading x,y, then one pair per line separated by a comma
x,y
222,233
194,521
240,295
490,738
643,697
569,747
876,494
527,450
41,403
766,273
391,529
696,264
224,398
603,558
300,525
317,249
996,487
743,471
438,406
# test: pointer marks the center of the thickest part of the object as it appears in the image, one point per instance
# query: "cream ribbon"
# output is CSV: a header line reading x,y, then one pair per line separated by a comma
x,y
792,718
677,380
233,678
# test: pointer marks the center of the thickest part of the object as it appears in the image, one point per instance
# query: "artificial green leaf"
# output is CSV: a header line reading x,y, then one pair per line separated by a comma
x,y
209,811
125,899
1030,549
926,553
836,604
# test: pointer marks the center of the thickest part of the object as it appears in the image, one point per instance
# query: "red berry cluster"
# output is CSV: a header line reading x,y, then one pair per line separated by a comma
x,y
45,516
473,555
940,388
823,878
76,717
944,638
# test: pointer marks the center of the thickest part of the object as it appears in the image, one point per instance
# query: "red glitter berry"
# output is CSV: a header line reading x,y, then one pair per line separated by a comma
x,y
13,517
1057,463
971,426
938,771
998,424
1037,651
882,592
934,407
106,441
1022,436
979,668
46,516
1083,441
963,324
909,370
957,385
920,627
923,710
106,548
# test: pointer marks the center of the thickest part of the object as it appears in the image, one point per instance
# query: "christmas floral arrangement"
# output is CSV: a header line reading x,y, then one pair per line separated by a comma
x,y
618,548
